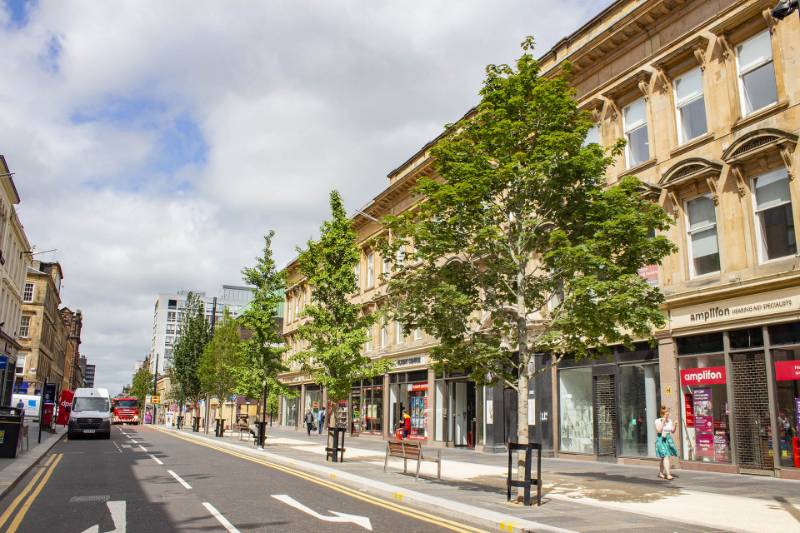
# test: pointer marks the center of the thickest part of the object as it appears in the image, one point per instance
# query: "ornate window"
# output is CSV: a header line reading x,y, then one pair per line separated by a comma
x,y
757,87
690,105
634,122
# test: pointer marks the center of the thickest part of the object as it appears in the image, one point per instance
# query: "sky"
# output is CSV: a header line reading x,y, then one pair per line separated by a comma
x,y
155,143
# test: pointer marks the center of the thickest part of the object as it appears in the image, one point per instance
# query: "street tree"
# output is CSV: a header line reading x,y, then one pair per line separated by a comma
x,y
263,347
220,359
519,246
193,336
141,385
336,329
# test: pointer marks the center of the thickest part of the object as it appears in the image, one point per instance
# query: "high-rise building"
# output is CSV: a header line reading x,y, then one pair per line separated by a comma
x,y
169,311
88,377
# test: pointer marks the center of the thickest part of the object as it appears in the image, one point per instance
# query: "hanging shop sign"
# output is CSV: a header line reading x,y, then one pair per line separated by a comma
x,y
787,370
742,307
710,375
417,386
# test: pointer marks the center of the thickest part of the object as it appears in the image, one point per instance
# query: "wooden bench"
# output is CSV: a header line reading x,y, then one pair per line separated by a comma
x,y
406,450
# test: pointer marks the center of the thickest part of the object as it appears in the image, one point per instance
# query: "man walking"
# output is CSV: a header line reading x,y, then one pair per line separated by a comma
x,y
321,419
309,421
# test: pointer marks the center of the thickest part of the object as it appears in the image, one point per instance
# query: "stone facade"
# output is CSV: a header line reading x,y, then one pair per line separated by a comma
x,y
73,324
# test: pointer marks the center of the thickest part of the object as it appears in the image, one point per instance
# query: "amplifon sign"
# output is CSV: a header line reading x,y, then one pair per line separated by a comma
x,y
740,308
787,370
710,375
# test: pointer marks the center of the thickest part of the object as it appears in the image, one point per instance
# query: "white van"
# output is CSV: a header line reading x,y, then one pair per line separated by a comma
x,y
91,413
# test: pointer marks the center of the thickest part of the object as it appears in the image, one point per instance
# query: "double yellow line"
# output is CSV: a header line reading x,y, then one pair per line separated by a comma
x,y
413,513
42,474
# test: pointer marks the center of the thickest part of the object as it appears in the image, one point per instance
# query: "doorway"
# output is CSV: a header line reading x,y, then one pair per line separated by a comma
x,y
752,427
604,392
461,408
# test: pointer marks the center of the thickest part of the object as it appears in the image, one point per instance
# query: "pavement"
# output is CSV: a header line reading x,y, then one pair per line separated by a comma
x,y
11,470
578,495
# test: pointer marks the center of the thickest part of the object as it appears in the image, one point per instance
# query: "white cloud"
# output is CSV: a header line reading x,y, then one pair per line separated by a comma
x,y
291,99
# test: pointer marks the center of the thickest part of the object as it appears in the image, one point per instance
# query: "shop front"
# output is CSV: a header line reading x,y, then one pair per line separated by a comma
x,y
607,406
367,401
409,391
313,400
740,384
456,413
290,406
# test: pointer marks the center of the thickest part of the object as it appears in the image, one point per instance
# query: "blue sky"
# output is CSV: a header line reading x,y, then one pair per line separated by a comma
x,y
154,143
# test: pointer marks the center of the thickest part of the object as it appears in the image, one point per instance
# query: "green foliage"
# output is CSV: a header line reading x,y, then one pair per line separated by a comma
x,y
142,385
520,246
219,359
193,336
262,350
337,329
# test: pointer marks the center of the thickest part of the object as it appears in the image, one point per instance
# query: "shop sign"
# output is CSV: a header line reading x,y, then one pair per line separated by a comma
x,y
743,307
710,375
688,406
721,447
649,273
417,386
410,361
787,370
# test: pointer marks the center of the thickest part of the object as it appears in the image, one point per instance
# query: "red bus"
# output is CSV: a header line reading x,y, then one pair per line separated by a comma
x,y
126,410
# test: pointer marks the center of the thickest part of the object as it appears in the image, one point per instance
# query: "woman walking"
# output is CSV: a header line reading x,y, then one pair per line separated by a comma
x,y
665,446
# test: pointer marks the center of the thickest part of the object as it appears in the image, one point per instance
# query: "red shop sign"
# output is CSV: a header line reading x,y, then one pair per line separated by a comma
x,y
787,370
419,386
710,375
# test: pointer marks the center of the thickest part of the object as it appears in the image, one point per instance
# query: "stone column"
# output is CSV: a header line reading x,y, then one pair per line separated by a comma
x,y
670,386
430,411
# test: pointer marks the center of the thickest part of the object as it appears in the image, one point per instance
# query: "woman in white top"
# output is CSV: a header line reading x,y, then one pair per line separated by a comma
x,y
665,446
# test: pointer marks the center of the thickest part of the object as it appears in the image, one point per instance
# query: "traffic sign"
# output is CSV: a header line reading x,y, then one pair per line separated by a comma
x,y
154,399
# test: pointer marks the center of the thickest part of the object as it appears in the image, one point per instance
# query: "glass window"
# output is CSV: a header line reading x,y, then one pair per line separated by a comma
x,y
785,333
756,73
384,335
774,217
370,270
386,266
592,136
704,409
89,404
690,106
398,333
634,119
27,295
24,326
746,338
639,403
702,236
787,397
575,410
357,274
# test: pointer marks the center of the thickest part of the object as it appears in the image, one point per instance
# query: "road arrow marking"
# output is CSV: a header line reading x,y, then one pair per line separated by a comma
x,y
117,509
362,521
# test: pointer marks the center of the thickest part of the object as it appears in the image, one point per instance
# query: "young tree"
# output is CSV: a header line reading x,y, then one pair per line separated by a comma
x,y
193,336
519,246
221,356
263,348
337,329
141,385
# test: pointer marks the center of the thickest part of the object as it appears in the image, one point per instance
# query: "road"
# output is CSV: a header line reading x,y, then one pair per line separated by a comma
x,y
150,481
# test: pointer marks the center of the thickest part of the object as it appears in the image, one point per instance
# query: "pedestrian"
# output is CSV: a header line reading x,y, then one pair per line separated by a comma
x,y
406,424
321,419
665,446
21,404
309,421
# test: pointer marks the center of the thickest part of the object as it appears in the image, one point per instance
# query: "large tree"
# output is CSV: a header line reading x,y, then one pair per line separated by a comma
x,y
336,329
193,336
141,385
520,247
264,345
220,358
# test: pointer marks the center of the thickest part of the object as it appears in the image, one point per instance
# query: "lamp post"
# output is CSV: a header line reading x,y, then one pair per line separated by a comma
x,y
155,388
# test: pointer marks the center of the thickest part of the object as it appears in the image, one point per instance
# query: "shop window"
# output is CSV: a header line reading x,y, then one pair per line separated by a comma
x,y
575,410
634,119
706,343
704,409
690,106
702,236
787,397
757,87
774,218
639,402
784,333
746,338
592,136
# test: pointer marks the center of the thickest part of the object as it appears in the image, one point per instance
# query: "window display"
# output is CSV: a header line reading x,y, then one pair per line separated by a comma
x,y
414,398
787,396
639,401
576,411
705,425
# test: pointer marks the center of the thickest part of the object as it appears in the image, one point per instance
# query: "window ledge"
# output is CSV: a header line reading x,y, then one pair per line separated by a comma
x,y
760,114
694,143
638,168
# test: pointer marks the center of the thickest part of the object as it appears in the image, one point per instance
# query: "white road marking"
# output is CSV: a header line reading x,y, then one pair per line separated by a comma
x,y
178,478
221,519
362,521
142,448
97,498
156,459
117,509
117,445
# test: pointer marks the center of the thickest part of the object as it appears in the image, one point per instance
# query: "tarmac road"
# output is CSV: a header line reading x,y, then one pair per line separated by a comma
x,y
145,480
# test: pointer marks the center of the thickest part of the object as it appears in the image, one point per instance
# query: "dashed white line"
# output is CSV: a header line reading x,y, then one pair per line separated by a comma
x,y
156,459
179,480
117,445
142,448
221,519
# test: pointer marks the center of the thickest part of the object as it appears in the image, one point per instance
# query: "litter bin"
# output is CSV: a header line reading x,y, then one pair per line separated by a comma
x,y
10,424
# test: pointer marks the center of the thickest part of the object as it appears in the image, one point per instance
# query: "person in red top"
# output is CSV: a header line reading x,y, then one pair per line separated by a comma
x,y
406,424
